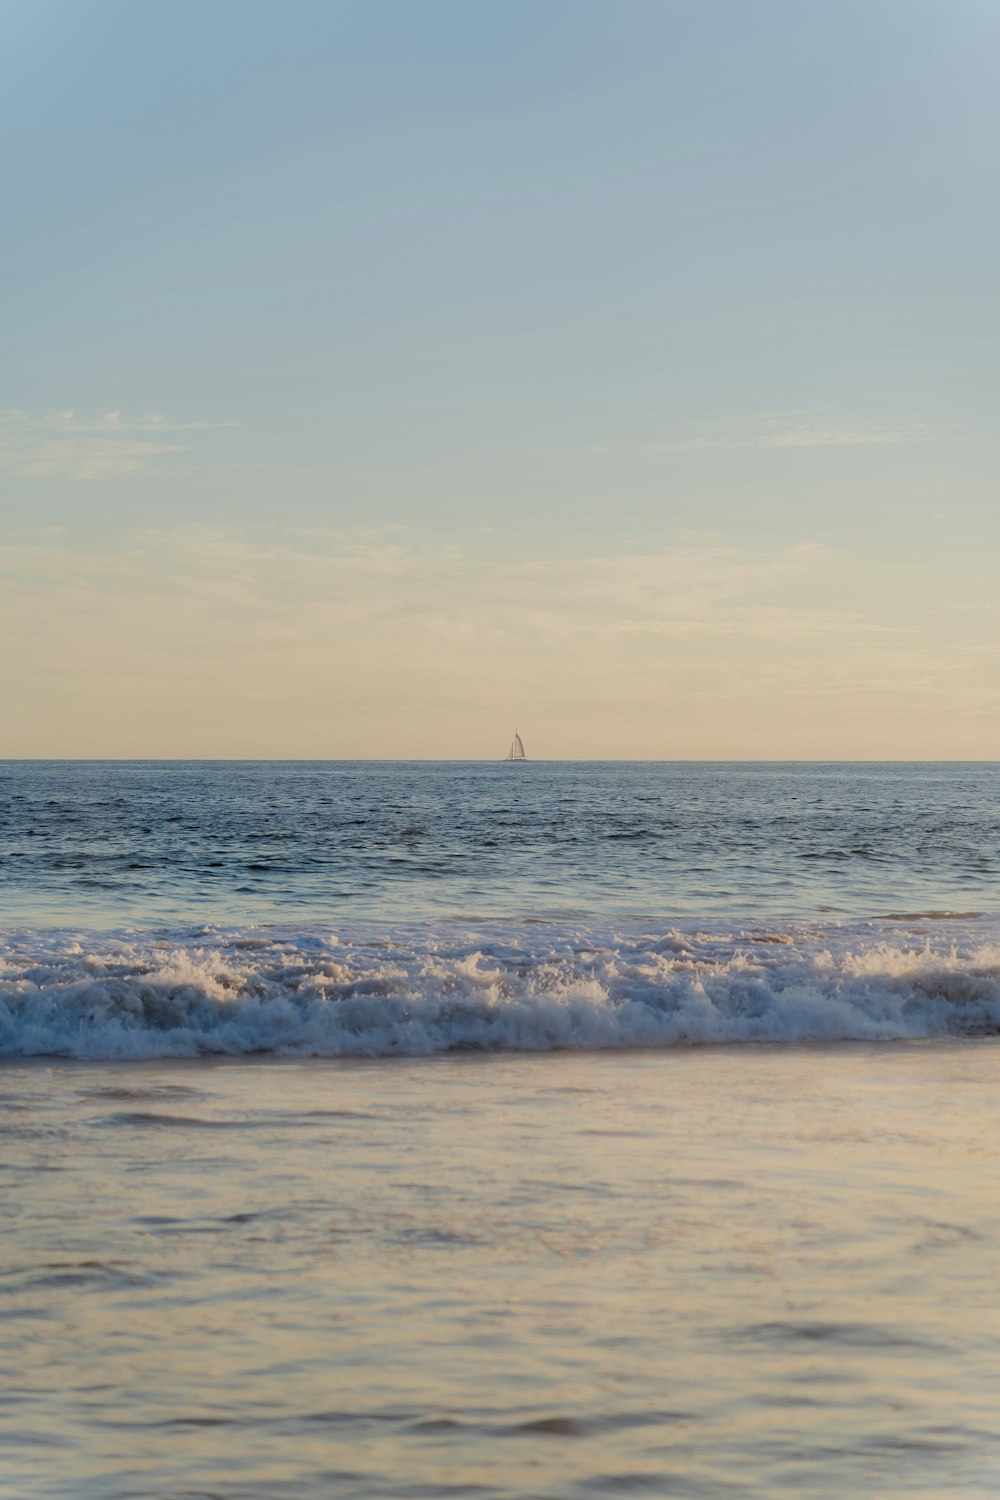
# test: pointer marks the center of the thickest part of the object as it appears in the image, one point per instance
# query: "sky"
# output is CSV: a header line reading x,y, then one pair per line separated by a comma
x,y
378,376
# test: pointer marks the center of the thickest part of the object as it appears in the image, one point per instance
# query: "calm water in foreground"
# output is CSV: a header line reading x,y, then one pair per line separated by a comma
x,y
716,1272
548,1131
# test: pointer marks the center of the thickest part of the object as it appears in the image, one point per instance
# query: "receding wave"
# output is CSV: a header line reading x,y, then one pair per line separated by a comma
x,y
520,987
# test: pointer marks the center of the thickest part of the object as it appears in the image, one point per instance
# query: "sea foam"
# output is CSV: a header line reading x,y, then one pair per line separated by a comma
x,y
425,989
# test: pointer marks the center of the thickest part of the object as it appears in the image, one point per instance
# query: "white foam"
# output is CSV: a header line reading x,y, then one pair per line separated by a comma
x,y
423,989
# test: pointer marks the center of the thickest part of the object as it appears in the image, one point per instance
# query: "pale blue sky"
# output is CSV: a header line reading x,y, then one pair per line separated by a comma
x,y
627,370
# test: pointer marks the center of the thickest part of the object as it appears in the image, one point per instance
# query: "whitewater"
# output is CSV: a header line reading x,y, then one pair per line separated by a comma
x,y
420,991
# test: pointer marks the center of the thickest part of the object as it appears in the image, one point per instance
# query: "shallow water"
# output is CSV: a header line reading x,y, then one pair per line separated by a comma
x,y
708,1272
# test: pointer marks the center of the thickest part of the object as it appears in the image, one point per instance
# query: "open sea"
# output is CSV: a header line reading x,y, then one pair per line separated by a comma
x,y
459,1129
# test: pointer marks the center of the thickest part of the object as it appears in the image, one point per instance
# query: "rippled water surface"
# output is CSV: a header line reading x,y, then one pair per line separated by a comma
x,y
765,1272
98,843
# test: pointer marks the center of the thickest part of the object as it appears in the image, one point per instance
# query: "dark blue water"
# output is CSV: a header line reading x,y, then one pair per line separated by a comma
x,y
102,843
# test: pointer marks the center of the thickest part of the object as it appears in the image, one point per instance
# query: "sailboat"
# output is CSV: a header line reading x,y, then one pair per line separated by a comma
x,y
516,751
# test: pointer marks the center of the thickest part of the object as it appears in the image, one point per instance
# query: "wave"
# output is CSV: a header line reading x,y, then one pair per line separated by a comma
x,y
534,987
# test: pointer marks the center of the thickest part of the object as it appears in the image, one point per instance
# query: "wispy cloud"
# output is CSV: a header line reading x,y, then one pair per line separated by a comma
x,y
395,595
863,435
226,640
793,429
78,446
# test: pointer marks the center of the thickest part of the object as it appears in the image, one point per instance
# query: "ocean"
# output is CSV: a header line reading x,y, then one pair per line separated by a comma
x,y
542,1130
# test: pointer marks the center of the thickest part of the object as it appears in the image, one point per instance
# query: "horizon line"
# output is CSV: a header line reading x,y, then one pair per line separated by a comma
x,y
707,760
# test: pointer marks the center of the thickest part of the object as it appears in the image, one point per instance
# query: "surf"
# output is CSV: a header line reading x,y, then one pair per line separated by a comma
x,y
431,988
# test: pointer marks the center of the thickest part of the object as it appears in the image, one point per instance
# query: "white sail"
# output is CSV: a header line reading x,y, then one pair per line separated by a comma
x,y
517,748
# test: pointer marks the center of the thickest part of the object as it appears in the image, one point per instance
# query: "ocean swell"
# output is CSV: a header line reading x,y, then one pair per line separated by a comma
x,y
535,987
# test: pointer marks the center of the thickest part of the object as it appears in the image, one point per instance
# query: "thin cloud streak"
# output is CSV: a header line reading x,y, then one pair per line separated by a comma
x,y
50,444
843,437
776,430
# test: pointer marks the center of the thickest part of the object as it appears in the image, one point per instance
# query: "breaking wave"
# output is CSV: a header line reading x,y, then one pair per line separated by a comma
x,y
533,987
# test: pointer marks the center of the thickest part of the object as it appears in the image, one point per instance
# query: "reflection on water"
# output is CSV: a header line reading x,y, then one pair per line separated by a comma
x,y
701,1273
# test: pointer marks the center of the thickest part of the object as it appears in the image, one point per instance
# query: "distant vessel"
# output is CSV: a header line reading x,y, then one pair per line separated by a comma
x,y
516,751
